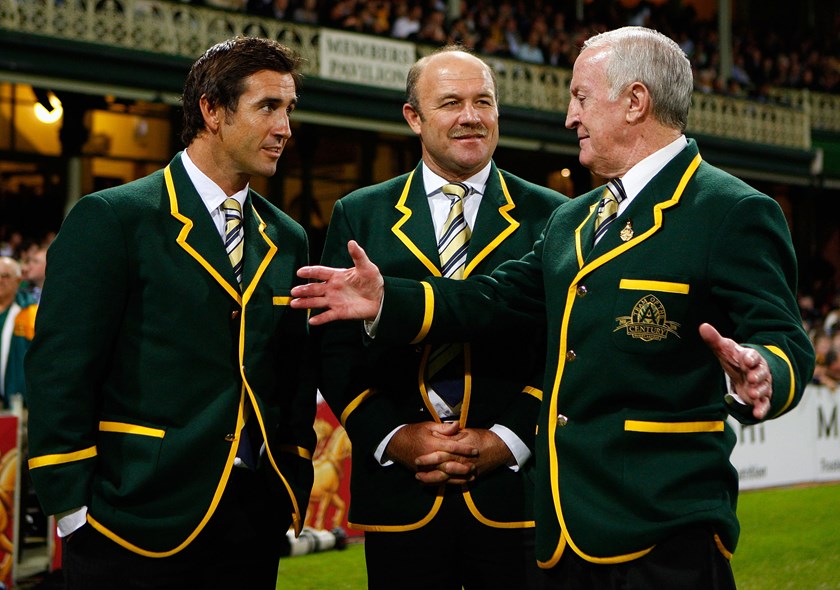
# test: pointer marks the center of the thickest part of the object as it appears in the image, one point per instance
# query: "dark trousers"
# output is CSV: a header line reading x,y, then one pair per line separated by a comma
x,y
453,551
687,561
238,549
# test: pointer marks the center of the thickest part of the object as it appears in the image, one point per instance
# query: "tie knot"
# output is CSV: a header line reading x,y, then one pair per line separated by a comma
x,y
455,190
232,208
616,189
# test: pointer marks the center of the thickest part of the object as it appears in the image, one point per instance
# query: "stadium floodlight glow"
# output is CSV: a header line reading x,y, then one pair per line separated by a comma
x,y
47,99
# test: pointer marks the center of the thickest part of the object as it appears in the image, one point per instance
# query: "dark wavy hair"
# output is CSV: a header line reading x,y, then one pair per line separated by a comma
x,y
220,73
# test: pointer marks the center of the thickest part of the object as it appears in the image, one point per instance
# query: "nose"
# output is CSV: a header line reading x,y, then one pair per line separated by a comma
x,y
572,120
282,125
469,115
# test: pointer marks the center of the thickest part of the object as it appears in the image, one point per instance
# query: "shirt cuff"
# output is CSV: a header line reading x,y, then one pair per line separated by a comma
x,y
521,452
70,521
372,325
379,452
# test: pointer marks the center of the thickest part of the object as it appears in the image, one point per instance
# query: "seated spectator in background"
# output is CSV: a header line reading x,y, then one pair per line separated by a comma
x,y
307,13
433,30
827,373
530,50
17,327
33,269
407,24
278,9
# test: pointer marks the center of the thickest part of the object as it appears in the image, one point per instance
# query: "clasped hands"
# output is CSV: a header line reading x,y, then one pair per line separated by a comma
x,y
445,453
356,293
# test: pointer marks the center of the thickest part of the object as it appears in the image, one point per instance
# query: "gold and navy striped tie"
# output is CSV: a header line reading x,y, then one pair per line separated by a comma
x,y
234,235
608,210
445,368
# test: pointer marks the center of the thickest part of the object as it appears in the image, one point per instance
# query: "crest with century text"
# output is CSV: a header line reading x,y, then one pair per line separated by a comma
x,y
647,321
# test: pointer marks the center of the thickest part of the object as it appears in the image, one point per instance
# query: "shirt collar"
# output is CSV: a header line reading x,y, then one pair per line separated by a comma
x,y
433,183
211,193
639,175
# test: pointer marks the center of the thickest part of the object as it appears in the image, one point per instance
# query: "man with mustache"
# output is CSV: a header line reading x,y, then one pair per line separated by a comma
x,y
401,402
170,406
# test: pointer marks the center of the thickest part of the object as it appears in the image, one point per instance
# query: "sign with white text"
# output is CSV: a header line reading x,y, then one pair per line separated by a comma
x,y
801,446
365,60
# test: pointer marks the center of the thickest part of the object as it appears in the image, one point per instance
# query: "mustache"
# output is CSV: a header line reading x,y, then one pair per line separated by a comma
x,y
468,131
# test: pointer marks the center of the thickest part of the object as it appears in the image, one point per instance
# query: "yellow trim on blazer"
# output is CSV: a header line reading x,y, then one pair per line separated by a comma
x,y
428,312
578,230
401,528
182,237
571,294
496,524
661,286
353,405
125,428
59,458
791,393
400,206
301,452
533,391
279,300
673,427
421,382
504,211
726,552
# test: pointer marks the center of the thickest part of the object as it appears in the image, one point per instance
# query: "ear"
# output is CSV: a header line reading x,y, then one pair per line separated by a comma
x,y
412,117
211,114
638,106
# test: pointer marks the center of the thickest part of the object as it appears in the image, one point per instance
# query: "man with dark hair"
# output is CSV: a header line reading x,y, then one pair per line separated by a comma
x,y
170,402
634,488
404,401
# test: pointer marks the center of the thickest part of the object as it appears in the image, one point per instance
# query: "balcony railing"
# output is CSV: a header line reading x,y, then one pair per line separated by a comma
x,y
183,30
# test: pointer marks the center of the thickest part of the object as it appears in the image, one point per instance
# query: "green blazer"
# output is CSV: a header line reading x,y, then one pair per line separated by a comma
x,y
373,389
632,441
146,353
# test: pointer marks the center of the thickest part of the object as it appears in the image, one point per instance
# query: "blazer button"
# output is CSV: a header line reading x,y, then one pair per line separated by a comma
x,y
571,356
234,315
582,290
230,437
562,420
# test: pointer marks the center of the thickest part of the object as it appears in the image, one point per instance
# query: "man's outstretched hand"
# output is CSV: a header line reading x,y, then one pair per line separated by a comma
x,y
343,293
748,371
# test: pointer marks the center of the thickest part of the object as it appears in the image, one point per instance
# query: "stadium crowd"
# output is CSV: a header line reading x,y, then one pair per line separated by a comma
x,y
544,32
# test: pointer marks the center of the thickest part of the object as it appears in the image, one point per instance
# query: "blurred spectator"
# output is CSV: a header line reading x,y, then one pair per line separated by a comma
x,y
278,9
33,266
827,373
307,13
17,327
530,50
407,24
433,30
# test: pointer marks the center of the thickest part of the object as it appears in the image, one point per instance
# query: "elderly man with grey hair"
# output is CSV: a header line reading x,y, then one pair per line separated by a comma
x,y
670,300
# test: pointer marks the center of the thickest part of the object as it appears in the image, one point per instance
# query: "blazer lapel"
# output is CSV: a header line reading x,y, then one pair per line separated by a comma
x,y
494,222
646,215
259,248
197,235
414,226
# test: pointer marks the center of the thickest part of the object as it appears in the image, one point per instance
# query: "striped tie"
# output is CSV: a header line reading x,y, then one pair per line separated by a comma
x,y
608,211
234,236
445,368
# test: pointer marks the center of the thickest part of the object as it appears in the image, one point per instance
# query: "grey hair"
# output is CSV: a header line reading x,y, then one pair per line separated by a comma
x,y
13,264
647,56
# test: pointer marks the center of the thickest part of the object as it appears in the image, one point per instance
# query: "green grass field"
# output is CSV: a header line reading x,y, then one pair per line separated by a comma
x,y
790,540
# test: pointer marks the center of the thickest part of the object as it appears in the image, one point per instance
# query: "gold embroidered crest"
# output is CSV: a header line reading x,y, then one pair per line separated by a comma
x,y
647,321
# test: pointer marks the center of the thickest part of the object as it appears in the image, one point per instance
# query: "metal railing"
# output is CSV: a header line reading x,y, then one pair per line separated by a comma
x,y
177,29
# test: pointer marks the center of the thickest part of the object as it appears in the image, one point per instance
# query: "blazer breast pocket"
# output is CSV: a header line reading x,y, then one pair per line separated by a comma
x,y
651,313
